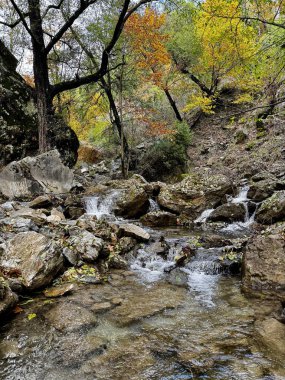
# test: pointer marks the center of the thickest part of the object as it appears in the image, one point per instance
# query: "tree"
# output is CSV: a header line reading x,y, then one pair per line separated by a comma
x,y
32,18
148,45
208,48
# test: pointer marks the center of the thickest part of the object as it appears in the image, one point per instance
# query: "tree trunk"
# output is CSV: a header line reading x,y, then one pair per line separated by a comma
x,y
117,119
41,76
173,104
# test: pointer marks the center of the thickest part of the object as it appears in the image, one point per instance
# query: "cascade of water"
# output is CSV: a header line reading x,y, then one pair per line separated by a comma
x,y
101,205
204,216
153,205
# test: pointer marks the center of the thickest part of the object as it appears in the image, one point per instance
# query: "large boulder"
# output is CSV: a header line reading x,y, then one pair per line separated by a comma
x,y
228,212
18,118
264,261
263,186
33,258
272,209
33,176
194,194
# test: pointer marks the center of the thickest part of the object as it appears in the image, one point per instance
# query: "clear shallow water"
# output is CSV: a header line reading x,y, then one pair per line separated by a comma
x,y
157,330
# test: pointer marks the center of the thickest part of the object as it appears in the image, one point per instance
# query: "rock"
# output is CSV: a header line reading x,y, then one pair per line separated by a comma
x,y
18,118
146,304
33,258
159,219
68,317
41,201
58,291
18,224
272,209
86,246
263,186
125,245
101,307
264,261
160,247
133,201
194,194
8,299
74,207
55,216
131,230
33,176
117,262
228,212
271,334
37,216
177,277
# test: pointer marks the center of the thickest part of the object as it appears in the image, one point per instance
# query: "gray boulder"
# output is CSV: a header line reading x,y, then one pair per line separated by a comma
x,y
33,176
194,194
84,245
228,212
131,230
272,209
33,257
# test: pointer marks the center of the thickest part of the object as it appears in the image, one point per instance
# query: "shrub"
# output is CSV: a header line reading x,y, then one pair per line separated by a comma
x,y
168,155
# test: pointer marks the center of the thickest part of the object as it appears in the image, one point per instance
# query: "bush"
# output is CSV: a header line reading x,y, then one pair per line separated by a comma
x,y
168,155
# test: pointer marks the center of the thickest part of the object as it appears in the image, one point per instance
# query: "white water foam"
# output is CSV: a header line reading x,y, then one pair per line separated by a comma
x,y
204,216
101,205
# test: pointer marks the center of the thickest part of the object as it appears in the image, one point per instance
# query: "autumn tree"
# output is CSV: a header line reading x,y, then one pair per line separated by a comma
x,y
208,49
34,17
147,38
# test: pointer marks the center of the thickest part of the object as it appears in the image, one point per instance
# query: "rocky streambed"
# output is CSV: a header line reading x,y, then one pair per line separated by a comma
x,y
86,294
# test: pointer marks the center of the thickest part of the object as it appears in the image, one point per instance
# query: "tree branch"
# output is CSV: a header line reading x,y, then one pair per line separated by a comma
x,y
124,15
52,7
22,18
15,23
83,6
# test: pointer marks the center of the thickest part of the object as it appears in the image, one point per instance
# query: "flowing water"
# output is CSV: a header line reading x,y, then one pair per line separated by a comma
x,y
142,324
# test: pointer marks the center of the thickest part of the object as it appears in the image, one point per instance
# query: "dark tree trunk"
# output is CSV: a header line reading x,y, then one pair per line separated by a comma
x,y
173,104
115,112
41,76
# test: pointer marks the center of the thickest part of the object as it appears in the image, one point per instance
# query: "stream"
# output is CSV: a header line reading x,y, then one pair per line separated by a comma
x,y
144,323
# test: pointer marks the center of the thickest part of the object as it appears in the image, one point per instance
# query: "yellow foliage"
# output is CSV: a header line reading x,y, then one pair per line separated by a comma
x,y
204,103
228,44
244,98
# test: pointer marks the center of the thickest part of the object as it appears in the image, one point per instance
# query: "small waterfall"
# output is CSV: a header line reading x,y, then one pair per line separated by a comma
x,y
241,198
101,205
204,216
202,271
153,205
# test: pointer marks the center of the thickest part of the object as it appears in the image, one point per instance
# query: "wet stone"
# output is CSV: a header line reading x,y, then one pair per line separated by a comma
x,y
68,316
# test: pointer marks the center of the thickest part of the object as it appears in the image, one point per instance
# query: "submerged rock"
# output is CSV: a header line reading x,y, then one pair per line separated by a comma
x,y
33,258
68,317
33,176
271,334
